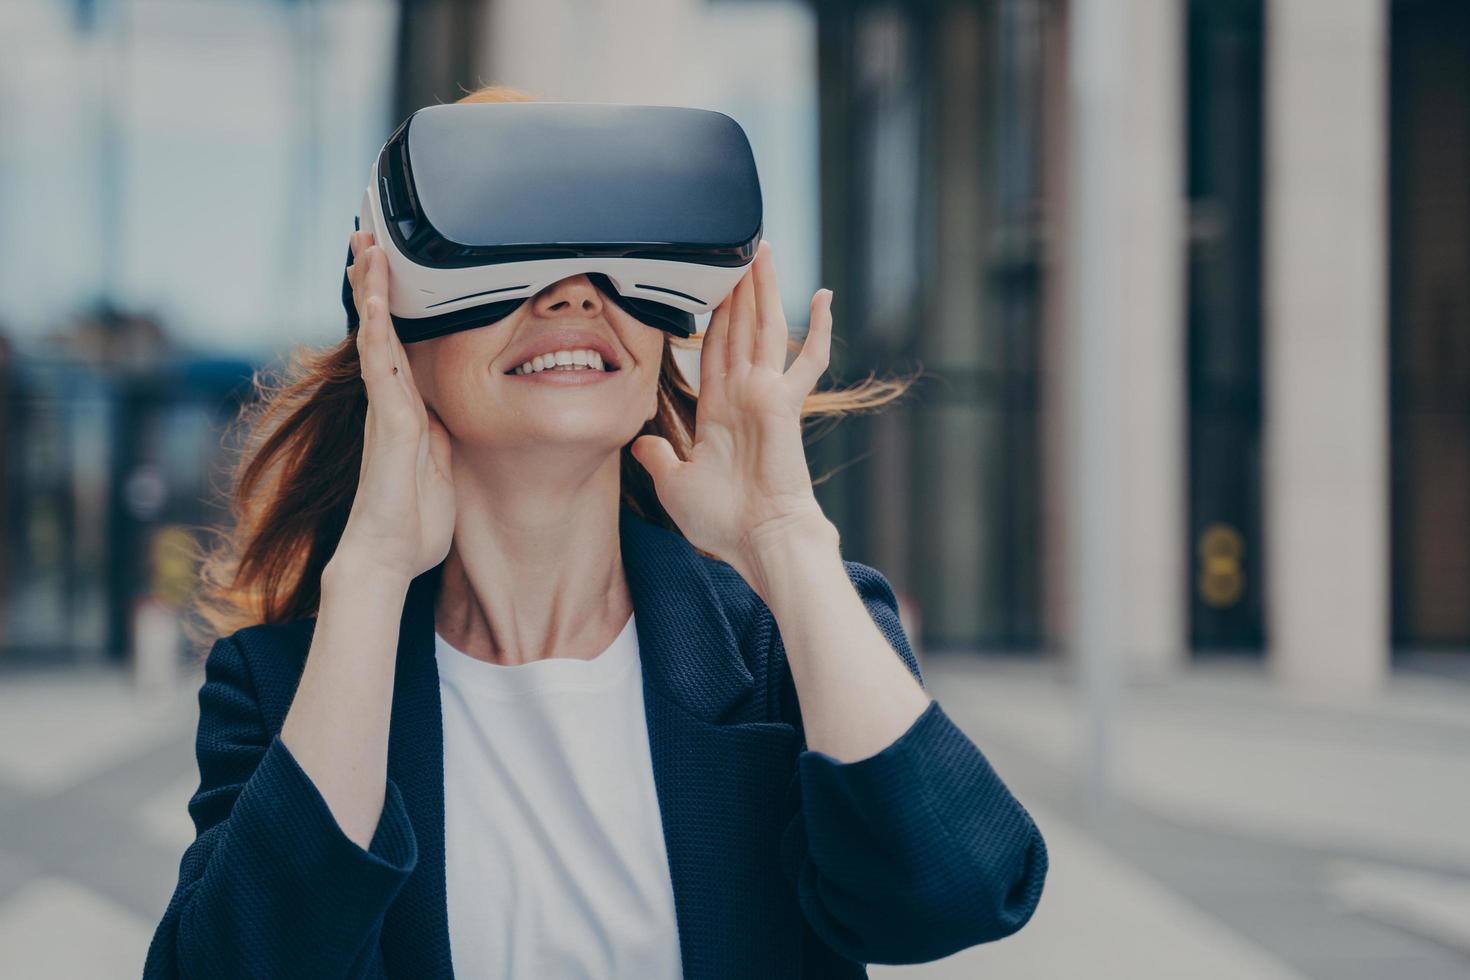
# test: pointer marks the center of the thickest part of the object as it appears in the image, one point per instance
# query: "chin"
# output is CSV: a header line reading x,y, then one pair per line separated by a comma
x,y
548,434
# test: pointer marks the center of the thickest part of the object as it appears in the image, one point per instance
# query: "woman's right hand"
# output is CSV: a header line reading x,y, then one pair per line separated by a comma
x,y
402,518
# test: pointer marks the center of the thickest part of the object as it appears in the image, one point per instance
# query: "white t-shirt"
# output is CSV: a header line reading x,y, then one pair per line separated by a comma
x,y
554,850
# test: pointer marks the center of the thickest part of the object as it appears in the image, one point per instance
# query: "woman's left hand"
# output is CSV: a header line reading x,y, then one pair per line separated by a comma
x,y
746,482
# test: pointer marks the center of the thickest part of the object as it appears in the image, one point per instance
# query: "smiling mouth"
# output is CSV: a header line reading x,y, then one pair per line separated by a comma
x,y
566,361
563,369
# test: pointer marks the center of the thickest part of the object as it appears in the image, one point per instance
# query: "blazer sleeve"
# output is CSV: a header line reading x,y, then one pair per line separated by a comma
x,y
917,851
271,885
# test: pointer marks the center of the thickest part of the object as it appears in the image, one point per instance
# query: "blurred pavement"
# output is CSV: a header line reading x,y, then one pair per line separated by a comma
x,y
1254,834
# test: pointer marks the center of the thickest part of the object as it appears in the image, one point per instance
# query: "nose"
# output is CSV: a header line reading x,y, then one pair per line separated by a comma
x,y
569,297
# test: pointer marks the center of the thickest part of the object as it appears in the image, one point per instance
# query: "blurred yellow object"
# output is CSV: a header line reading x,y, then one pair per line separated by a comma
x,y
171,564
1221,579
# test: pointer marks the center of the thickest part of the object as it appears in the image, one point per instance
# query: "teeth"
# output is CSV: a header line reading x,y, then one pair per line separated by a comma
x,y
565,360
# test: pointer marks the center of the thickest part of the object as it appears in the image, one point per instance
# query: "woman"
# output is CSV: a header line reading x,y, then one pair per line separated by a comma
x,y
526,668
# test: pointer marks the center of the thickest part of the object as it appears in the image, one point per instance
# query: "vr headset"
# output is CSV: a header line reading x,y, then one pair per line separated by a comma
x,y
480,206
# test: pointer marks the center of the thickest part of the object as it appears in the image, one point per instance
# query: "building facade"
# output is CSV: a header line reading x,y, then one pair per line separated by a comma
x,y
1290,218
1188,282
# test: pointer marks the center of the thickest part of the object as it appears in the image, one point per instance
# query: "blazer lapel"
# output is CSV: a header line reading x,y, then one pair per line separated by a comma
x,y
721,784
416,926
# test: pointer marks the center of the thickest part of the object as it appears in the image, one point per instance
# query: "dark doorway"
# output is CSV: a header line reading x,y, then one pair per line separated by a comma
x,y
932,127
1224,133
1429,323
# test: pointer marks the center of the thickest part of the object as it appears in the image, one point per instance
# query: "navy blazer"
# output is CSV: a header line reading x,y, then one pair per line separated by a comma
x,y
785,862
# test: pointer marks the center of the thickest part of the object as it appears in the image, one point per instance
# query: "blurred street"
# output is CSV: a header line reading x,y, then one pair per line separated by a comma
x,y
1256,834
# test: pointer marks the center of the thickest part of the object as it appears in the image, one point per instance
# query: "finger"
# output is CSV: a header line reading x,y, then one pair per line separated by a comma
x,y
395,343
816,350
742,323
405,373
771,332
353,241
400,357
375,283
360,242
375,351
657,456
377,275
372,356
408,411
713,350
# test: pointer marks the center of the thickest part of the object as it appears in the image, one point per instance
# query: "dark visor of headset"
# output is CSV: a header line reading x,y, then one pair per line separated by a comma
x,y
527,181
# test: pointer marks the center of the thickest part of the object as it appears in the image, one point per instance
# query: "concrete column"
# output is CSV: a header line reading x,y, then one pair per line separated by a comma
x,y
1326,376
1155,516
1122,350
1124,360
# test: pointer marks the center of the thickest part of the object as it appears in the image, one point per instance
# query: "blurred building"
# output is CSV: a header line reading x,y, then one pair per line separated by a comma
x,y
1297,348
112,456
179,181
1288,184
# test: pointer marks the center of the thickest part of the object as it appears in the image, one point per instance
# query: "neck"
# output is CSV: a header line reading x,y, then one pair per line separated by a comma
x,y
535,567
